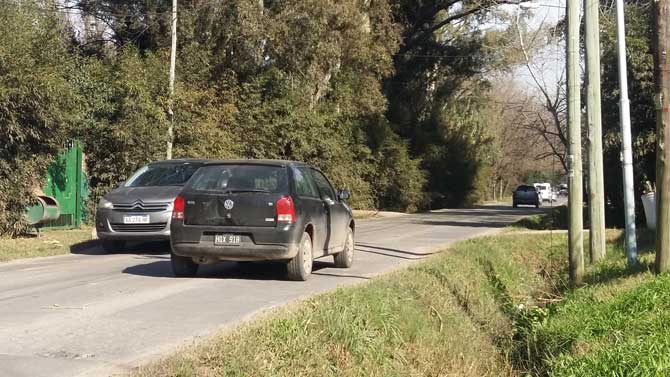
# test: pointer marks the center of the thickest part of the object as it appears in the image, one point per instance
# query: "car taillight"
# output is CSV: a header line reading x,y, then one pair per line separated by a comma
x,y
285,210
178,208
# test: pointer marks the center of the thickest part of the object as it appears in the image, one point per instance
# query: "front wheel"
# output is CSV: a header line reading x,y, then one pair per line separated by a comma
x,y
300,267
183,267
345,258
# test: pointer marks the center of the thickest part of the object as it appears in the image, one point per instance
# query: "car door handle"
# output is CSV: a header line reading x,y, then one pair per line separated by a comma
x,y
327,202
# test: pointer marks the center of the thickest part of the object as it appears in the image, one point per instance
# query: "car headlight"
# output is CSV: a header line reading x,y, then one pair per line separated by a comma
x,y
104,203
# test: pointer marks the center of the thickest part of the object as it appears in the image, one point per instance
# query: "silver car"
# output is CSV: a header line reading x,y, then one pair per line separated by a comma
x,y
140,208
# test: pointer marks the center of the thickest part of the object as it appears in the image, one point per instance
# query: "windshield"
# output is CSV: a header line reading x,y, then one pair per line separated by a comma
x,y
241,178
525,188
162,175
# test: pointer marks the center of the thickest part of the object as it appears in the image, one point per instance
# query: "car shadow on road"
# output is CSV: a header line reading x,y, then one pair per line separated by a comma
x,y
389,252
225,270
490,211
94,247
469,224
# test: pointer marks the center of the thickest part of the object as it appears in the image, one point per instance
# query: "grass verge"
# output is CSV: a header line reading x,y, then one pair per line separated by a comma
x,y
495,306
52,242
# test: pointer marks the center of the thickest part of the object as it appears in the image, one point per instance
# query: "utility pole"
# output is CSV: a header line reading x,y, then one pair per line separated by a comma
x,y
575,199
595,132
173,60
626,140
662,136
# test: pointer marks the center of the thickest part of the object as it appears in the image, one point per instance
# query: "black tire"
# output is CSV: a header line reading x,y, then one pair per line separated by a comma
x,y
113,246
183,267
300,267
345,258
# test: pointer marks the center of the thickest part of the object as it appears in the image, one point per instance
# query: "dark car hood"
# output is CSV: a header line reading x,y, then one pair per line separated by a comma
x,y
145,194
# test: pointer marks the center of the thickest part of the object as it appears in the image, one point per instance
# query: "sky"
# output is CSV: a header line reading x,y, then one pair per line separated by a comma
x,y
552,58
550,62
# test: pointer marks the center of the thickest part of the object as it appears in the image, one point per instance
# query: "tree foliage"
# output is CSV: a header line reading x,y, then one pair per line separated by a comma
x,y
37,104
639,23
387,96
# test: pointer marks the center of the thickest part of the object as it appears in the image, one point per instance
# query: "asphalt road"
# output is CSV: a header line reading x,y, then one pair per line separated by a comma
x,y
94,314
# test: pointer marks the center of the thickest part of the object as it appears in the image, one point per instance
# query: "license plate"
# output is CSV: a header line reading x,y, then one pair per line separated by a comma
x,y
227,239
136,219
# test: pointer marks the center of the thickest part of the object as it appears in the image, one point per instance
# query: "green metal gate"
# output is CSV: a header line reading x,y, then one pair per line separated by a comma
x,y
65,183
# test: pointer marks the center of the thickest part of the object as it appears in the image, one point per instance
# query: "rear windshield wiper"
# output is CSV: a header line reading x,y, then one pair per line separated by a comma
x,y
232,191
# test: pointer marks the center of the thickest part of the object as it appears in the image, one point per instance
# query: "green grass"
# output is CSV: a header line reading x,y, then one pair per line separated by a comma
x,y
555,218
438,318
494,306
52,242
615,326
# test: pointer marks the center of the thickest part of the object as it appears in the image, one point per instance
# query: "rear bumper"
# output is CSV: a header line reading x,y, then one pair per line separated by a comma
x,y
257,243
207,252
534,201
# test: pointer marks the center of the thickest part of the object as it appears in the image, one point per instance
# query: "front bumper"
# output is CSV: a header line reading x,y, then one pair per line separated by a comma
x,y
110,226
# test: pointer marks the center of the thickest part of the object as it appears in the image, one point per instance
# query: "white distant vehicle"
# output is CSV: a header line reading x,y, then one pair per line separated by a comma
x,y
545,191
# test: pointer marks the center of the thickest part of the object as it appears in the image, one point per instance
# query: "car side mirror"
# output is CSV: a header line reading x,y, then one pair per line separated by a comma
x,y
344,195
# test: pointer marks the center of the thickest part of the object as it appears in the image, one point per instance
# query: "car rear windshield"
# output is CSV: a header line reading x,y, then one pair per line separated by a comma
x,y
162,175
525,188
241,178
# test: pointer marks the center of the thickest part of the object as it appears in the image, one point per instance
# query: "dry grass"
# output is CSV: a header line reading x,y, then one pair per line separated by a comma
x,y
443,317
53,242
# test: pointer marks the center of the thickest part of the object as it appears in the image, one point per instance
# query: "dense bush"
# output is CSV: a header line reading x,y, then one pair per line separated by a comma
x,y
37,104
125,121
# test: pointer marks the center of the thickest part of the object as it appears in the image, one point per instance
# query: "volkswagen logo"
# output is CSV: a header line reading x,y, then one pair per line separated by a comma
x,y
229,204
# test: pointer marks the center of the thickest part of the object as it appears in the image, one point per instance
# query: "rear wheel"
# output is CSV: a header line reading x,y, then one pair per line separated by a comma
x,y
113,246
345,258
300,267
183,267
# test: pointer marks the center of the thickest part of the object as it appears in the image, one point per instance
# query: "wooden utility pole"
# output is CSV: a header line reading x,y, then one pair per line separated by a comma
x,y
662,135
575,199
595,132
173,60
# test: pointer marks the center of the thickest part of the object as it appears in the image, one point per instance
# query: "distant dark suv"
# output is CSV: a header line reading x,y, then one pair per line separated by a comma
x,y
526,194
260,210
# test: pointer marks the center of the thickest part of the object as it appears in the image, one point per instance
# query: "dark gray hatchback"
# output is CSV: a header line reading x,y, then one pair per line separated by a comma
x,y
260,210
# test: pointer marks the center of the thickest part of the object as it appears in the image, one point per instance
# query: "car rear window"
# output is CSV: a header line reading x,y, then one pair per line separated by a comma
x,y
525,188
241,178
162,175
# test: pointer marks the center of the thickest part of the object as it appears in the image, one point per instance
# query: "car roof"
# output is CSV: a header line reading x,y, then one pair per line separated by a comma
x,y
181,161
280,163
